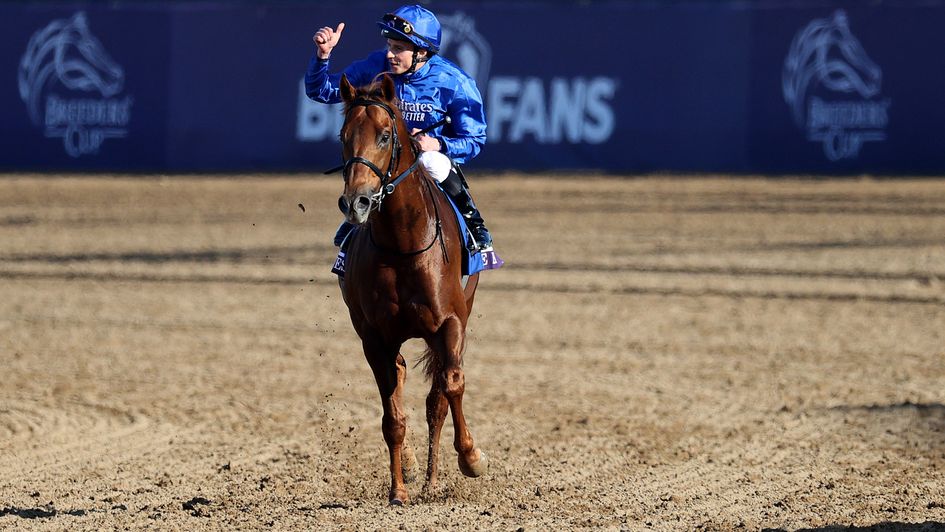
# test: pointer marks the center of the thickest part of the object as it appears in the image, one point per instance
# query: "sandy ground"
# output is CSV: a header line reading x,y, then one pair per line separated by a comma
x,y
658,353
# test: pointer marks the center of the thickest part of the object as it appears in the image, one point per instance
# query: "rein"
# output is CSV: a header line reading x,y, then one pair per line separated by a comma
x,y
389,184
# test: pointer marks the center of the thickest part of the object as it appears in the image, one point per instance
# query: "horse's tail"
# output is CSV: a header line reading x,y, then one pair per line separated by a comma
x,y
430,362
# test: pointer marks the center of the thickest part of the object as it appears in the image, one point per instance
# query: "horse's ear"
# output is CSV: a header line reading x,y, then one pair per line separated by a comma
x,y
387,88
347,89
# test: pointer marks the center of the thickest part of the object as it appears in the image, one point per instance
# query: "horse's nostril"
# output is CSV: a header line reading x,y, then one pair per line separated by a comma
x,y
359,208
343,204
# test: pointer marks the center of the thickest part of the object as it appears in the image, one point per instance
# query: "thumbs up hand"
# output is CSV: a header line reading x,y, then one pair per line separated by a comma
x,y
326,39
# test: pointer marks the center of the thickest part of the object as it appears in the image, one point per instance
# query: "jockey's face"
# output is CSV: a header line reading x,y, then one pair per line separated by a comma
x,y
400,55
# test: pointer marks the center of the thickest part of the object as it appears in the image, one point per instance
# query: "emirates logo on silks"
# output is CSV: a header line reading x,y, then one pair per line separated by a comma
x,y
72,87
833,88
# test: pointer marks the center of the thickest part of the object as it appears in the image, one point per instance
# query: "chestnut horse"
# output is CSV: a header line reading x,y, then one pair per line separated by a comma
x,y
403,278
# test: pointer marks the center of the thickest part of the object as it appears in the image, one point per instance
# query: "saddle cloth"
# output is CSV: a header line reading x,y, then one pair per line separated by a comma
x,y
473,261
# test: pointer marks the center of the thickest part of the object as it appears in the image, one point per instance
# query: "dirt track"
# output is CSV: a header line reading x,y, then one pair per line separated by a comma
x,y
663,354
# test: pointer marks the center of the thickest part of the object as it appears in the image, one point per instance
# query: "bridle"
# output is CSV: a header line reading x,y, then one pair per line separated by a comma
x,y
389,184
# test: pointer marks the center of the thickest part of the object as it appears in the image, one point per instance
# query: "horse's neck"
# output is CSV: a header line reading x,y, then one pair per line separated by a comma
x,y
406,217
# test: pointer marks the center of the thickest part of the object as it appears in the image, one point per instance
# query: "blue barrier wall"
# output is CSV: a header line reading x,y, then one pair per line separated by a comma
x,y
709,86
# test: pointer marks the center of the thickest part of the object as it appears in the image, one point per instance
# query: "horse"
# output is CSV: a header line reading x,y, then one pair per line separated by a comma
x,y
826,52
68,50
403,279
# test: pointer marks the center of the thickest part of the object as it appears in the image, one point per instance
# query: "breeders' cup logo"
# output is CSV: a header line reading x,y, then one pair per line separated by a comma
x,y
71,86
462,44
832,85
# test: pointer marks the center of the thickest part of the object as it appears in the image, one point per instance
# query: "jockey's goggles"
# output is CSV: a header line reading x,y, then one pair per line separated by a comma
x,y
405,29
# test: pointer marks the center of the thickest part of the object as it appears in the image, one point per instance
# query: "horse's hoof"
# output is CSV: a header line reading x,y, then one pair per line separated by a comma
x,y
398,497
475,468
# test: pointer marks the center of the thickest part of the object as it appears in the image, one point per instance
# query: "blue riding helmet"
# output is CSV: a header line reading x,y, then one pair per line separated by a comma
x,y
415,24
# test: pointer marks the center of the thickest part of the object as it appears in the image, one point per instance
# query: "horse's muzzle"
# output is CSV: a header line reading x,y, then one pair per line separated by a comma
x,y
356,209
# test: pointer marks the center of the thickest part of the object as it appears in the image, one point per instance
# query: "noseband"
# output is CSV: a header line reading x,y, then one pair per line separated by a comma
x,y
388,184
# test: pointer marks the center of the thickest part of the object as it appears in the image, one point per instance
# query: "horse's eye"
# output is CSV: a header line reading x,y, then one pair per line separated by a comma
x,y
385,137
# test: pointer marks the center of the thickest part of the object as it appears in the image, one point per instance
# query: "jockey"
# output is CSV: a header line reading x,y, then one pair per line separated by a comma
x,y
429,88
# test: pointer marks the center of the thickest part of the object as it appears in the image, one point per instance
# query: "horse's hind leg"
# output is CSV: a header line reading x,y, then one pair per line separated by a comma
x,y
472,461
390,372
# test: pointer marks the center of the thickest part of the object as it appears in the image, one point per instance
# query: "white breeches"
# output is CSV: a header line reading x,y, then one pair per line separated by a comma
x,y
436,165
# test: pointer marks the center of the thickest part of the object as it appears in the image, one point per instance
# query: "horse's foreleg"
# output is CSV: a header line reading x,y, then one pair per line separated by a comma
x,y
390,372
472,461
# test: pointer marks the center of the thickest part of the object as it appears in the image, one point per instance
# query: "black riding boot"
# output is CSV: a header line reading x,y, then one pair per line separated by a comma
x,y
453,185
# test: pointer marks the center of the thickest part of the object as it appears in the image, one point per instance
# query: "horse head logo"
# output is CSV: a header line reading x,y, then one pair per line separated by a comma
x,y
66,51
826,53
464,45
